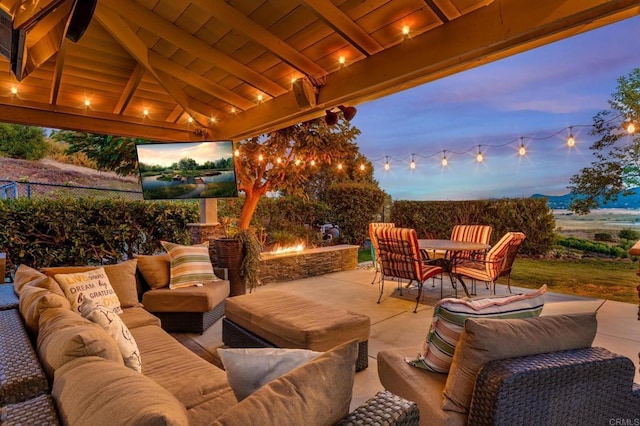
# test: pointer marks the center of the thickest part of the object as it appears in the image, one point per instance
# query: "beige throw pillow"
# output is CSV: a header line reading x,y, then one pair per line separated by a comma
x,y
92,284
485,339
113,325
316,393
33,300
27,276
250,369
155,269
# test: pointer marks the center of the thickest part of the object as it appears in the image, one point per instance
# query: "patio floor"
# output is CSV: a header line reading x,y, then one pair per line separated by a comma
x,y
393,323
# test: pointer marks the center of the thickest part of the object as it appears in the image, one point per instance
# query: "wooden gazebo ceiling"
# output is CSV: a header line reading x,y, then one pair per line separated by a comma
x,y
221,69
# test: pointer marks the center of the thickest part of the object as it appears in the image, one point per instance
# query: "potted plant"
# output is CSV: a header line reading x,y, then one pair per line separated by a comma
x,y
239,252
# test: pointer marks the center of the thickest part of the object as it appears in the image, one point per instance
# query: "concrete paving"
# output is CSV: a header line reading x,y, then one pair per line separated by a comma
x,y
394,324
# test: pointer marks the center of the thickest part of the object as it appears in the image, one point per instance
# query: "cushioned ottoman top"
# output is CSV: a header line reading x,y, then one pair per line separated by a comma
x,y
290,321
186,299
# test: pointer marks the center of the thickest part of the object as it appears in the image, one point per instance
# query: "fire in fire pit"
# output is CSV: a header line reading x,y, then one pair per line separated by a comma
x,y
287,249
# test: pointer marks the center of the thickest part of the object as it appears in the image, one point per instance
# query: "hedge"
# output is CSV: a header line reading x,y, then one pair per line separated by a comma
x,y
88,231
435,219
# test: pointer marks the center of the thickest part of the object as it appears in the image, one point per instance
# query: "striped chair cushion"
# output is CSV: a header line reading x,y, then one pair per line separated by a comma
x,y
403,258
374,239
489,269
190,265
449,317
474,233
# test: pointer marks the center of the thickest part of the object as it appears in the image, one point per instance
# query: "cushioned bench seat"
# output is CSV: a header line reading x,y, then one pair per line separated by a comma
x,y
188,309
284,320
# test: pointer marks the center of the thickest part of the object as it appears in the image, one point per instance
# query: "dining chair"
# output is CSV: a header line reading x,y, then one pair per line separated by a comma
x,y
498,260
400,258
375,257
473,233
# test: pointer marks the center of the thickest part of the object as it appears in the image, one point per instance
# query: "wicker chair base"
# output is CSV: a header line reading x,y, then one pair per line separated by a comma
x,y
236,336
190,322
8,298
385,408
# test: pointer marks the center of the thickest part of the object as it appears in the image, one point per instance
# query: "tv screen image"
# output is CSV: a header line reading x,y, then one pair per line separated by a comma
x,y
182,170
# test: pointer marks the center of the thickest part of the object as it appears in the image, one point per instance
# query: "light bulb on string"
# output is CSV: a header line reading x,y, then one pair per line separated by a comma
x,y
236,152
297,162
313,162
631,128
479,156
339,166
387,166
412,165
362,167
571,142
523,150
444,160
279,160
260,158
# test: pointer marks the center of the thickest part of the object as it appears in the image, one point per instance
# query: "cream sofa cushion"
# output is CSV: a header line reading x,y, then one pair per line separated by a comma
x,y
27,276
487,339
97,392
33,300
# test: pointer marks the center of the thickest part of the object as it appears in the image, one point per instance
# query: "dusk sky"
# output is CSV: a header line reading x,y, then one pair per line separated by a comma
x,y
531,95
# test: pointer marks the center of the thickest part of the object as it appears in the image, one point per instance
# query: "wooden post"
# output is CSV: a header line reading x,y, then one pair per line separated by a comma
x,y
3,267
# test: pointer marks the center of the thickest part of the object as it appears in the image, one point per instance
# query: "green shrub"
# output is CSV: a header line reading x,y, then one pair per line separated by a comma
x,y
592,246
23,142
629,234
42,232
603,236
435,219
353,206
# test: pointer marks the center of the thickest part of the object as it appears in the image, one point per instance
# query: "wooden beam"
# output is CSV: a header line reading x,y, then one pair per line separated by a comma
x,y
28,13
343,25
129,89
175,114
503,28
120,30
222,11
199,82
57,72
171,33
57,117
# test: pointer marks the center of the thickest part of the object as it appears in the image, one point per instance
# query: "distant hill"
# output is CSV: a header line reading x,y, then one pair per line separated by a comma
x,y
623,202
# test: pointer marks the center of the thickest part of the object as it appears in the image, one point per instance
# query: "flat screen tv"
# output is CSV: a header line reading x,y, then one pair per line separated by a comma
x,y
182,170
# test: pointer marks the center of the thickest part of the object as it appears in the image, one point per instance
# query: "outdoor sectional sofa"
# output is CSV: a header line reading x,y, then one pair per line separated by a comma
x,y
59,367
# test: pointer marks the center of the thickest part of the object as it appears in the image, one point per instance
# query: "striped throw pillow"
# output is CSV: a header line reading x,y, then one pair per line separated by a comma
x,y
190,265
449,317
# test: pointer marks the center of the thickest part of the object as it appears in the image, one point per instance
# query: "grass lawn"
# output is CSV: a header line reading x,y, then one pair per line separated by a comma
x,y
602,279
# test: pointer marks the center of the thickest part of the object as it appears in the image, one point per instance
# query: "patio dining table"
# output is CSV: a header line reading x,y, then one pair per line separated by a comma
x,y
452,249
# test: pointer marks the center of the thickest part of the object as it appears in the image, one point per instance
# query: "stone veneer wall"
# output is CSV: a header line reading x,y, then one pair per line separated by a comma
x,y
309,263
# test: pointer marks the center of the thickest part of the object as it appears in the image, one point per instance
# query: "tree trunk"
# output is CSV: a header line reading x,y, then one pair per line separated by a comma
x,y
248,208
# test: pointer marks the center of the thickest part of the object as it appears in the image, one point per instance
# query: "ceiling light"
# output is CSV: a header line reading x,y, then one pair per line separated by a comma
x,y
145,112
342,60
331,118
87,102
405,30
236,153
14,90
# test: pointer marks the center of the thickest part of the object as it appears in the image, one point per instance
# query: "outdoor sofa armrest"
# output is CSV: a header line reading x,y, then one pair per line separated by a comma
x,y
580,386
385,408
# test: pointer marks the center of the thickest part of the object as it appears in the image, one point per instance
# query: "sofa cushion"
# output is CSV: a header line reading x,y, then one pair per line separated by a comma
x,y
248,369
113,325
97,392
450,314
138,317
190,265
93,284
27,276
122,277
186,299
318,392
33,300
417,385
155,269
199,385
64,335
485,339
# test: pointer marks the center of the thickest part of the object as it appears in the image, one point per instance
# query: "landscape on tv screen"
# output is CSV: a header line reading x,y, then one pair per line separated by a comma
x,y
187,170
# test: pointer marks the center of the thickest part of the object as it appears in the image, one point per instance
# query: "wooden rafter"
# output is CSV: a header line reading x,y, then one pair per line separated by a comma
x,y
129,88
57,72
241,23
342,24
194,45
120,30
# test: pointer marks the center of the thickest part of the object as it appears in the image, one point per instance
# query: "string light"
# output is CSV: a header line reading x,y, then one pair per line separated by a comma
x,y
444,160
260,158
523,150
279,160
479,156
362,167
236,152
412,165
297,162
313,162
339,166
571,142
387,166
631,128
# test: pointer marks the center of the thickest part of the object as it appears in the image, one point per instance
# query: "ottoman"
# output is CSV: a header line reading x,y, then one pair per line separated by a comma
x,y
283,320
